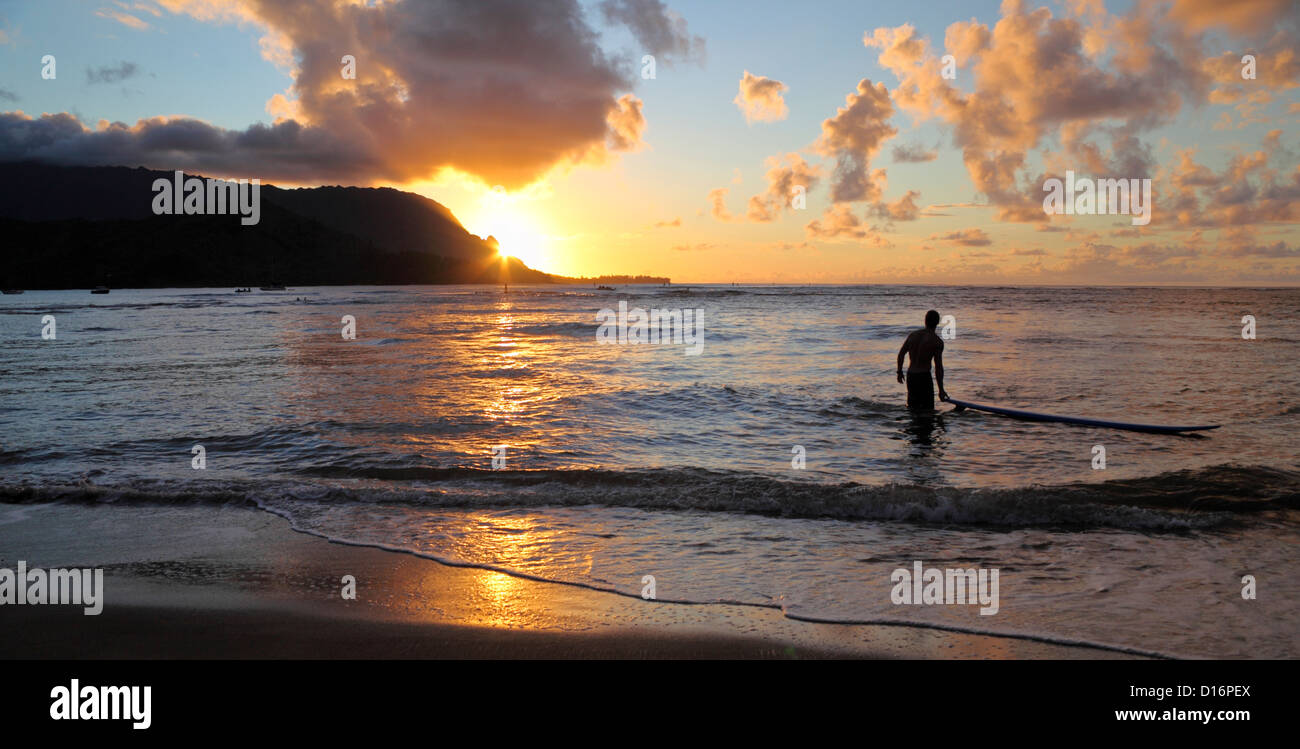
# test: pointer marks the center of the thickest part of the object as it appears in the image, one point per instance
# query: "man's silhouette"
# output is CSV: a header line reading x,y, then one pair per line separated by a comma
x,y
922,346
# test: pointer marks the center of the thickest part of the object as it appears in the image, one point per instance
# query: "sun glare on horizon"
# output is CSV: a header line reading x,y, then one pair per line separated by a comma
x,y
517,232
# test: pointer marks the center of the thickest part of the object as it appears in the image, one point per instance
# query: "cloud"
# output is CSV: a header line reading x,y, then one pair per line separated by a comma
x,y
914,154
188,144
126,19
1092,262
760,98
785,246
903,209
1276,250
838,222
1151,254
965,237
1089,81
143,7
718,197
108,74
7,95
504,91
853,137
658,30
675,223
1074,235
1251,16
626,123
782,181
1276,69
1248,191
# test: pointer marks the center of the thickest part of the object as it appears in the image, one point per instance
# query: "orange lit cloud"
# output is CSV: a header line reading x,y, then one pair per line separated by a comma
x,y
718,200
1038,77
126,19
853,137
760,98
903,209
783,181
838,222
504,93
965,237
913,154
1244,16
626,123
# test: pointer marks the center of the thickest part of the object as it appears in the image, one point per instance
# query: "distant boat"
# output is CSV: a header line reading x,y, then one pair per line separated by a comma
x,y
99,290
274,287
604,288
11,291
243,291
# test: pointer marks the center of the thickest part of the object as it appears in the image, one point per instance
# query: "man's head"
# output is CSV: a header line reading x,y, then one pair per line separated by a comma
x,y
931,319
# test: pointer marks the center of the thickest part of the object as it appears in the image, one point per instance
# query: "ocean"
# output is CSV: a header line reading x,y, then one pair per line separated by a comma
x,y
775,467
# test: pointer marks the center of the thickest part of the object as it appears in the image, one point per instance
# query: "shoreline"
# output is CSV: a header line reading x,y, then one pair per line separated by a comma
x,y
238,583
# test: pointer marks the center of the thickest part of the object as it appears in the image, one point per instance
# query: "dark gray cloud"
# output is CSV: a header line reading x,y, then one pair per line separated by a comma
x,y
914,154
1276,250
111,73
658,30
499,89
854,137
286,151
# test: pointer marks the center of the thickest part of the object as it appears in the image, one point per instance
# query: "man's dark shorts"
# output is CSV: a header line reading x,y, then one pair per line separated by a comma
x,y
920,390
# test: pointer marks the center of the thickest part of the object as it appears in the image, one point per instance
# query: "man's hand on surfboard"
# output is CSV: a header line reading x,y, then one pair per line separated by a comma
x,y
943,394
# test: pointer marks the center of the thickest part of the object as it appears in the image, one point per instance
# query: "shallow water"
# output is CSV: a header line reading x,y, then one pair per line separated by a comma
x,y
623,461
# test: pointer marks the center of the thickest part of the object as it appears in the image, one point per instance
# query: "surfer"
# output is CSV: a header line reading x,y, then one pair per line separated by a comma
x,y
922,346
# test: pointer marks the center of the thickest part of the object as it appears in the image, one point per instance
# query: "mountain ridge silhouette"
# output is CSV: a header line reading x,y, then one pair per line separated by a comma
x,y
81,226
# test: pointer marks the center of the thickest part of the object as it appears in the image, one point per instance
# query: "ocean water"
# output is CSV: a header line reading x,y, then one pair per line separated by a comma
x,y
623,461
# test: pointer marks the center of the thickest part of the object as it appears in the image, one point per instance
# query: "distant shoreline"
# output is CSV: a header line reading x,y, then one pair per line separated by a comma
x,y
666,282
291,287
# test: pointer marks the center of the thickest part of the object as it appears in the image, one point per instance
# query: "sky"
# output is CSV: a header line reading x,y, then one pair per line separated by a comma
x,y
818,142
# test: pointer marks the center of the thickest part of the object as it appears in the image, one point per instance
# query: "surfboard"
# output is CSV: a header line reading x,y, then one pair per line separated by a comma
x,y
1032,416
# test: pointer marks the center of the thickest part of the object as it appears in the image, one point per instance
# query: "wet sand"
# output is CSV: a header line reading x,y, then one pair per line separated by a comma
x,y
202,582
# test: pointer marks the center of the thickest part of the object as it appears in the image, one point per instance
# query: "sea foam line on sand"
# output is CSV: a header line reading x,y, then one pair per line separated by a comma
x,y
886,622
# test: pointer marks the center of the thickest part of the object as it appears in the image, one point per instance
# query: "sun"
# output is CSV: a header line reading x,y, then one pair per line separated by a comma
x,y
518,238
517,232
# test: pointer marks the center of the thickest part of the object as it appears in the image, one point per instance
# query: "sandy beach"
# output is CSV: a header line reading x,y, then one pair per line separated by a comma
x,y
239,583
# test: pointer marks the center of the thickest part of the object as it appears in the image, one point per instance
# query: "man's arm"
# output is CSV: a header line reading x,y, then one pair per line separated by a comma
x,y
938,372
901,352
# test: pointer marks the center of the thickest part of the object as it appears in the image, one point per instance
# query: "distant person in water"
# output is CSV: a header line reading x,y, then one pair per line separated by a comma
x,y
922,346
